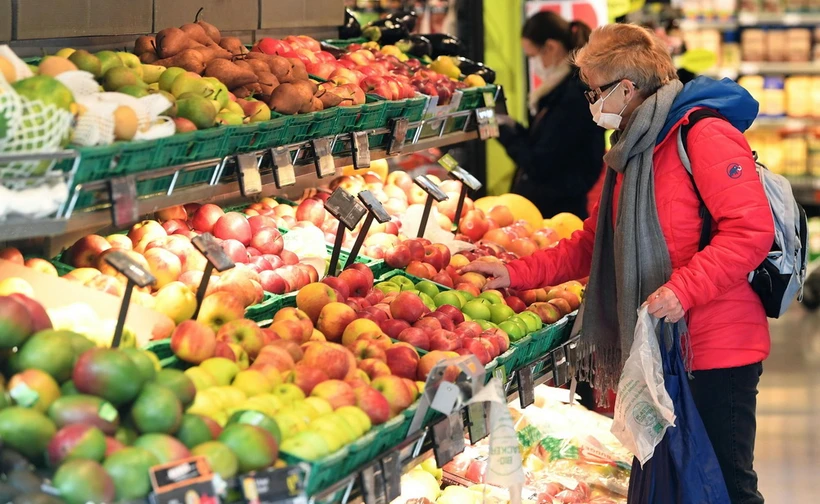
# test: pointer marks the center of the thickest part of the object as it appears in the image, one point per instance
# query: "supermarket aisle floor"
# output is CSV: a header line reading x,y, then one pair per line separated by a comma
x,y
787,457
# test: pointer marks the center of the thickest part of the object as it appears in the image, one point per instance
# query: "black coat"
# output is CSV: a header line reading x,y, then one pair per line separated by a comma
x,y
560,156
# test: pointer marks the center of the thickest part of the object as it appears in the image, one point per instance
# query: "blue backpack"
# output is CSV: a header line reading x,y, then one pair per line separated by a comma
x,y
779,278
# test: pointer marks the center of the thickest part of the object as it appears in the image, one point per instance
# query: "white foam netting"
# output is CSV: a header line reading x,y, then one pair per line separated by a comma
x,y
95,125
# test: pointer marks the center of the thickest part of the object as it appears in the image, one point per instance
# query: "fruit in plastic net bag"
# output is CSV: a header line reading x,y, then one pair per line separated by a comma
x,y
48,90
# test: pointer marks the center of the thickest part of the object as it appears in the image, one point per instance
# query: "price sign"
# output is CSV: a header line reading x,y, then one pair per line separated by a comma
x,y
130,269
398,135
430,188
213,251
361,149
183,481
489,99
123,194
372,486
487,123
374,206
448,438
283,173
250,181
391,469
275,486
323,157
465,178
526,392
477,421
345,207
446,398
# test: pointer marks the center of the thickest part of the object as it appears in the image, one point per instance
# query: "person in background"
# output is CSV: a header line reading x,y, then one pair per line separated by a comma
x,y
558,157
641,245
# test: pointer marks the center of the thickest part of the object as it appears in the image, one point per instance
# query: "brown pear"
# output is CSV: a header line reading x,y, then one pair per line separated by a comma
x,y
268,82
257,65
299,70
233,45
329,99
306,87
241,92
286,99
213,52
316,105
282,69
148,58
144,44
171,41
211,30
229,73
189,59
196,32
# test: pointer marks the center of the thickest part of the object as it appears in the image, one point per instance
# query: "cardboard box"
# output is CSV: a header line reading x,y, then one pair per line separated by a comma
x,y
227,15
58,18
300,13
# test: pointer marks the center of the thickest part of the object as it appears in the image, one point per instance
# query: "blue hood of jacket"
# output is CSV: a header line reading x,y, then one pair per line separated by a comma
x,y
725,96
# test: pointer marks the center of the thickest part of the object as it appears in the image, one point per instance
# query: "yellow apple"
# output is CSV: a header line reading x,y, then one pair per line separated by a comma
x,y
176,300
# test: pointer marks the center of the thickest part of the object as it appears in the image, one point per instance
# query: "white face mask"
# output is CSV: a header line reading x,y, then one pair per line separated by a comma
x,y
537,65
606,120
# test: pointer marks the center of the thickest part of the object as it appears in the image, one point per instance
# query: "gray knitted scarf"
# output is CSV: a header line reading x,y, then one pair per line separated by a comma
x,y
631,260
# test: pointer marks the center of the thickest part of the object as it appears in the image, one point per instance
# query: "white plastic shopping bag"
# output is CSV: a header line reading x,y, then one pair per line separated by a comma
x,y
643,408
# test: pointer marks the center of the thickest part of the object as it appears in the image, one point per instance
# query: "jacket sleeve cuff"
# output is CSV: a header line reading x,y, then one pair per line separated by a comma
x,y
685,303
518,279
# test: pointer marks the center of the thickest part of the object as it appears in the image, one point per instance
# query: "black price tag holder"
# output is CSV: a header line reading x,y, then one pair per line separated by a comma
x,y
247,169
284,174
526,388
433,193
323,157
123,196
560,367
448,438
477,421
135,275
176,481
276,486
487,123
468,182
375,210
381,480
349,212
398,135
360,146
217,259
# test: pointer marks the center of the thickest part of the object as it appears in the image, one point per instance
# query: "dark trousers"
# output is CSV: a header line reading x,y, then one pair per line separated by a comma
x,y
726,400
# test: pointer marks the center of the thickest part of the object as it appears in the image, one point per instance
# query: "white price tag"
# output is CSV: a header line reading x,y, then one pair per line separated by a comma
x,y
446,397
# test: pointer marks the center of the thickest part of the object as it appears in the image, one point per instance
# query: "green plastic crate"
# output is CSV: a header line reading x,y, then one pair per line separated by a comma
x,y
324,123
270,133
272,303
347,119
471,98
323,472
175,149
137,157
241,138
298,129
185,179
95,163
414,108
209,143
392,110
372,115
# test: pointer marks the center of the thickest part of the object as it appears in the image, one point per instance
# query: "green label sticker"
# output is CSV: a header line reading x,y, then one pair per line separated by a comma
x,y
448,162
107,412
23,395
489,99
698,60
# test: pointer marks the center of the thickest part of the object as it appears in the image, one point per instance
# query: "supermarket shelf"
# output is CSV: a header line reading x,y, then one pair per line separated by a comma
x,y
785,122
745,19
696,24
766,68
223,189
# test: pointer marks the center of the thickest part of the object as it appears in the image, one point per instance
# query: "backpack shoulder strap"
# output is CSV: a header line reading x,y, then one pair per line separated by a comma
x,y
683,132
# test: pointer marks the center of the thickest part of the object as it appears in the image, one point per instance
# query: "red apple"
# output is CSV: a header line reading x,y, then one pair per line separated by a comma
x,y
233,225
393,327
235,250
356,281
205,217
445,340
416,337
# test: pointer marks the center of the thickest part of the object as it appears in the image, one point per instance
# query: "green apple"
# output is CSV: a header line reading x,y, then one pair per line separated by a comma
x,y
357,418
477,309
521,324
427,300
449,298
465,296
500,312
306,445
387,287
403,282
288,393
224,370
201,378
486,324
289,424
513,331
427,287
492,297
532,320
132,61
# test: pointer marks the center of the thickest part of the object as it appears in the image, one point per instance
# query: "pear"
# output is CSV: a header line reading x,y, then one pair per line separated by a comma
x,y
190,82
144,44
172,110
286,99
108,60
198,110
229,118
87,62
65,52
256,111
134,90
131,61
119,77
152,73
166,80
234,107
445,65
221,93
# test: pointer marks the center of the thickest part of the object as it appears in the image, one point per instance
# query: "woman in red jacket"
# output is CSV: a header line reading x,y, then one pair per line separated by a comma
x,y
641,245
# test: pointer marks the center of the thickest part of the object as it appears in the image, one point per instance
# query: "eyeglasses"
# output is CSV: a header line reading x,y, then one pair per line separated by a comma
x,y
594,95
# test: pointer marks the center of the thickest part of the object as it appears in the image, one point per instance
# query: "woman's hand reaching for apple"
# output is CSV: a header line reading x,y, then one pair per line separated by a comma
x,y
497,275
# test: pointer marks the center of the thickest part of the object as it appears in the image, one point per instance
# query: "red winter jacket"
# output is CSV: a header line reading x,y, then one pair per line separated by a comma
x,y
727,323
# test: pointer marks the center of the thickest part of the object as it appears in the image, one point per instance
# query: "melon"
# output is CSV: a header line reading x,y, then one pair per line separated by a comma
x,y
522,208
